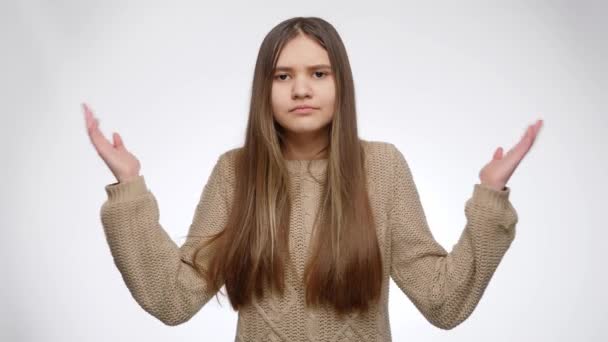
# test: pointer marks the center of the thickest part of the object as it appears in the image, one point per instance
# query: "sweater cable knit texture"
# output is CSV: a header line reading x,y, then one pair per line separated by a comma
x,y
444,287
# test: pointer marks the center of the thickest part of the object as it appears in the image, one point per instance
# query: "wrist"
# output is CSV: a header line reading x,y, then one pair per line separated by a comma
x,y
494,186
127,179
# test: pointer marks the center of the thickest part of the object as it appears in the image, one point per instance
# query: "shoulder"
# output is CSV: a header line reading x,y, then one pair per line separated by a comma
x,y
381,159
226,164
382,152
384,160
228,157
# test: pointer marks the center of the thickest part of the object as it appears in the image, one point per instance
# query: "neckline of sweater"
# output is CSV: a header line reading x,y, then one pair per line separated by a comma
x,y
317,166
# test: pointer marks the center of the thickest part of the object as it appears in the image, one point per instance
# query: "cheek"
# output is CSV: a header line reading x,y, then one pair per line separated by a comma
x,y
279,98
329,97
274,97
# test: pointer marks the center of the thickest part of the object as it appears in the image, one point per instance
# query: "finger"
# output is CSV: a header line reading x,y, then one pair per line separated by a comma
x,y
88,117
517,152
497,154
118,143
538,126
528,133
522,140
88,114
101,143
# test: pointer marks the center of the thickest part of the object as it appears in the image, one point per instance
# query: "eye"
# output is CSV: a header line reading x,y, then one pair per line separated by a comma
x,y
324,74
279,75
320,72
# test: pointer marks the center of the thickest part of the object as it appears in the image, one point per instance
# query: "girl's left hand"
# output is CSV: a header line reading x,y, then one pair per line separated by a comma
x,y
497,172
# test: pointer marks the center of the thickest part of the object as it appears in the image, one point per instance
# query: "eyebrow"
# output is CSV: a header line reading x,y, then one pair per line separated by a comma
x,y
310,67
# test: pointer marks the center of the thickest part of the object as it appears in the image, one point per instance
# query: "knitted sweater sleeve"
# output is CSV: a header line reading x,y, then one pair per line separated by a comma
x,y
160,275
446,287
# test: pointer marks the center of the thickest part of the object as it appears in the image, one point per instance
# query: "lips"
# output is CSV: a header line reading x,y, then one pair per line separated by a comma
x,y
303,111
302,108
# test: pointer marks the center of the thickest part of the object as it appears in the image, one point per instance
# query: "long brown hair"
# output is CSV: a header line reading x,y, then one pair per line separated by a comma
x,y
344,268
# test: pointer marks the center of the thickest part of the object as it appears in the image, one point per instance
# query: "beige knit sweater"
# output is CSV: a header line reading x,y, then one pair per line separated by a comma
x,y
444,287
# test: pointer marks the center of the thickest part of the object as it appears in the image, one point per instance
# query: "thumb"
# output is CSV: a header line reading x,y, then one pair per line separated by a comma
x,y
497,154
118,143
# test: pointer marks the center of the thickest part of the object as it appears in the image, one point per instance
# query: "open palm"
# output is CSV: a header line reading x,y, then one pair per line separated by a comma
x,y
123,164
499,170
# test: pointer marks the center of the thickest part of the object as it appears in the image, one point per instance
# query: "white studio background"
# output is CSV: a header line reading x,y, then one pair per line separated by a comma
x,y
446,82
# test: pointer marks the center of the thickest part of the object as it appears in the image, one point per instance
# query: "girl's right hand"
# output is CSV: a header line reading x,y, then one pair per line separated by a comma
x,y
121,162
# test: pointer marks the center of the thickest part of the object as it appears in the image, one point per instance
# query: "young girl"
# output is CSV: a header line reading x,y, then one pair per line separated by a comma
x,y
306,223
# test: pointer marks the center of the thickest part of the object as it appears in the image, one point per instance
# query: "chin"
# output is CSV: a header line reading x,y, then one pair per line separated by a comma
x,y
302,129
304,124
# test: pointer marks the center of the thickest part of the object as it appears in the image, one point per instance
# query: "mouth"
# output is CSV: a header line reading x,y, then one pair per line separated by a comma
x,y
303,110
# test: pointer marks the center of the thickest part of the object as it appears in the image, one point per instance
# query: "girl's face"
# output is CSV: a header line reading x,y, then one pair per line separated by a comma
x,y
303,77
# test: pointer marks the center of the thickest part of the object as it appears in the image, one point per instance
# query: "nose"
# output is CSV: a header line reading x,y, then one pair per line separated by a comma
x,y
301,88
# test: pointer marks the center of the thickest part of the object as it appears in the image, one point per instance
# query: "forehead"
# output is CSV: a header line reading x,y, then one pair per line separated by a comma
x,y
302,51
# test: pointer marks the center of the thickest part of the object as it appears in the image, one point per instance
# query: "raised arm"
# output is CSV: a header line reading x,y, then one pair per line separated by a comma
x,y
446,287
159,274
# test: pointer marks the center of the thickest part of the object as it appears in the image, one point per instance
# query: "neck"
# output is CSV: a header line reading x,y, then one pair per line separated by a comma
x,y
305,146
